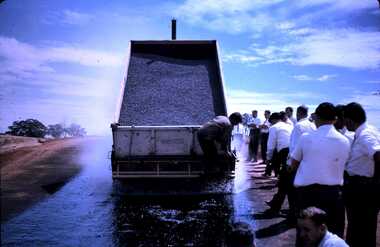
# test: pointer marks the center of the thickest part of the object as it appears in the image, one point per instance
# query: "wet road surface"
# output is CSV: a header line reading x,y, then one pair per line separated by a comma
x,y
94,210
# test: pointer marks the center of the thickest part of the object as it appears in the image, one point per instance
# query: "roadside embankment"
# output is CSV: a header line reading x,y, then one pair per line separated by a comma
x,y
33,168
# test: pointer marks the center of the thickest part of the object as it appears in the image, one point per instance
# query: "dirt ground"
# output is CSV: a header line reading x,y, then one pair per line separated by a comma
x,y
33,168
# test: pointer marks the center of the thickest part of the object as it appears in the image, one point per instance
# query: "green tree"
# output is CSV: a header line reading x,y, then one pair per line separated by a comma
x,y
75,130
29,127
56,130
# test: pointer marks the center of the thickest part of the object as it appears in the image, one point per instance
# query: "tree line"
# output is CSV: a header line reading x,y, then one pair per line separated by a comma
x,y
34,128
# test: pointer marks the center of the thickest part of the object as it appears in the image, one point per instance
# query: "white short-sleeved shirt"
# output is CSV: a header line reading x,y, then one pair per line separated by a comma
x,y
293,120
348,134
266,123
322,155
289,121
254,120
302,126
279,137
332,240
365,144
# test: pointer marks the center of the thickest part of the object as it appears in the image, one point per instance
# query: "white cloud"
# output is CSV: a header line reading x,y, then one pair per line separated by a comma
x,y
371,104
310,78
302,31
22,58
82,56
257,15
67,17
306,39
349,48
374,81
246,100
199,8
32,87
240,58
286,25
343,47
58,110
342,5
76,18
303,77
226,15
325,77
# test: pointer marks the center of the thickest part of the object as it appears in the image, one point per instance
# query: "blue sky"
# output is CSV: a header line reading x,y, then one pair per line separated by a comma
x,y
63,61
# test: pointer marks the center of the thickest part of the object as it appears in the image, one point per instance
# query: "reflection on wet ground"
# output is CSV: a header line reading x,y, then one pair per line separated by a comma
x,y
179,220
93,210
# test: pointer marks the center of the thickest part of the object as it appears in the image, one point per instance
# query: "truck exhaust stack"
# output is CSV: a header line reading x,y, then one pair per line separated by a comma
x,y
174,29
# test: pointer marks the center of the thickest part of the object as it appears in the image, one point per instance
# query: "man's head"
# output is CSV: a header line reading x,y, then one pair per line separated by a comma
x,y
235,118
354,116
289,111
339,123
254,113
283,116
267,114
325,114
312,117
241,235
302,112
274,118
311,226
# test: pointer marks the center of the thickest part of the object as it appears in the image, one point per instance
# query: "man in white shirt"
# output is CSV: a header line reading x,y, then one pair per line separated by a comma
x,y
302,126
217,130
287,178
362,185
285,119
319,158
254,125
279,137
340,125
313,232
289,114
264,134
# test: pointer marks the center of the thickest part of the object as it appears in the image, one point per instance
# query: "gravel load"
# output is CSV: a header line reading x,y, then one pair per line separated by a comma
x,y
169,91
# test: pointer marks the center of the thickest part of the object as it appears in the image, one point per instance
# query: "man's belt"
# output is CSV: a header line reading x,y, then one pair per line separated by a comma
x,y
360,180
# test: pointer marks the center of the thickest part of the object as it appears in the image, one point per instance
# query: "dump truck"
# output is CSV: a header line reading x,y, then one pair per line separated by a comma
x,y
170,89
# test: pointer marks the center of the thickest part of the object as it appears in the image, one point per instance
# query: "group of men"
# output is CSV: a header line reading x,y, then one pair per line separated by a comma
x,y
331,162
259,131
319,164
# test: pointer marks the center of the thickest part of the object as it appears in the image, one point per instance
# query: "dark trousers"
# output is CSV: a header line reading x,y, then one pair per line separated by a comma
x,y
254,140
361,197
280,161
264,144
210,151
273,163
327,198
285,186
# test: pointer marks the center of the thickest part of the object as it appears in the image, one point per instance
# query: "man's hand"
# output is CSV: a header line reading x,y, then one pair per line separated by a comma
x,y
294,164
289,169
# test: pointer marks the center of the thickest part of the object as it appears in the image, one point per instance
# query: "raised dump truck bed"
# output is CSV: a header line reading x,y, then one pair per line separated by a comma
x,y
170,89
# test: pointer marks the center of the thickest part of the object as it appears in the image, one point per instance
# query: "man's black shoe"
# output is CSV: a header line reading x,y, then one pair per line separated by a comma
x,y
269,203
270,212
